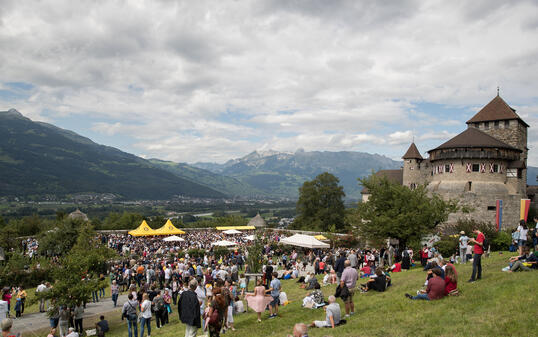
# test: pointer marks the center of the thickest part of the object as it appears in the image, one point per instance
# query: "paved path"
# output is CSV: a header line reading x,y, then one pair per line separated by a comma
x,y
38,321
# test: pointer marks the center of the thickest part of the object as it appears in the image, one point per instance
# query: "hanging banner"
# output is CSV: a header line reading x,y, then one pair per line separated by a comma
x,y
524,211
499,215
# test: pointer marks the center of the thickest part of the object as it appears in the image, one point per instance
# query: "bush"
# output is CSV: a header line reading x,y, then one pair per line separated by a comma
x,y
502,241
447,246
220,252
193,252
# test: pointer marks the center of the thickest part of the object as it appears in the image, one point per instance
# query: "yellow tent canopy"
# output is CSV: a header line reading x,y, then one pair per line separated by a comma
x,y
143,230
225,228
168,229
320,237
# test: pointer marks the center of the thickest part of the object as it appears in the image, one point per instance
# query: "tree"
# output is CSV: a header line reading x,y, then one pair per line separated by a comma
x,y
78,272
396,211
321,205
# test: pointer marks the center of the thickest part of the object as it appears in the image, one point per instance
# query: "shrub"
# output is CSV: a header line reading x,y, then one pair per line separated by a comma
x,y
447,246
220,252
502,241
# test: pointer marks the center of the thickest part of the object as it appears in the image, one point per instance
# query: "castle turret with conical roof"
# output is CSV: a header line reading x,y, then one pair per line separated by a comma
x,y
412,167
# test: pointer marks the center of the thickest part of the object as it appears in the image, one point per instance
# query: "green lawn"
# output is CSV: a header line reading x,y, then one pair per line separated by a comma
x,y
502,304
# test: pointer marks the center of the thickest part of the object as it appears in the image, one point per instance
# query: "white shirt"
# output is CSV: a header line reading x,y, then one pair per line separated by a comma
x,y
522,233
41,288
146,309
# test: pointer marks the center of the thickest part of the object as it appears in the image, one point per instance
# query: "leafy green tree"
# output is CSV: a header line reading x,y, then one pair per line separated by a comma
x,y
396,211
78,272
60,239
321,205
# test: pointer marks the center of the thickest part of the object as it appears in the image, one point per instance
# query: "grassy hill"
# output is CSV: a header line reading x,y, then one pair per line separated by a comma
x,y
501,304
39,159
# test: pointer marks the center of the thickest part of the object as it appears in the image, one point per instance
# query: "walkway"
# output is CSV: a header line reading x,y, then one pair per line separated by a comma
x,y
39,321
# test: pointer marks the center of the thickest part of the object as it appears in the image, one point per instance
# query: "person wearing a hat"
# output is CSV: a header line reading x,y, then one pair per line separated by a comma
x,y
464,239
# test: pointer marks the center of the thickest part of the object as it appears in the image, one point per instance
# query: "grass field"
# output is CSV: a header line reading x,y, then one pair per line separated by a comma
x,y
501,304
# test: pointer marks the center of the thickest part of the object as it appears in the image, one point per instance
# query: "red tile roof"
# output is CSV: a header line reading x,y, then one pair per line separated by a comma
x,y
474,138
412,153
496,110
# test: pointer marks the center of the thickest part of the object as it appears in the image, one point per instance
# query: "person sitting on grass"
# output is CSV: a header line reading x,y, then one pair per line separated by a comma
x,y
396,268
314,298
332,315
525,262
312,283
451,280
435,289
377,282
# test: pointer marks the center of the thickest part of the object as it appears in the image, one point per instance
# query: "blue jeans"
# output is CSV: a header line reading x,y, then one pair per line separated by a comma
x,y
53,322
146,322
477,267
115,299
95,297
102,292
132,325
421,297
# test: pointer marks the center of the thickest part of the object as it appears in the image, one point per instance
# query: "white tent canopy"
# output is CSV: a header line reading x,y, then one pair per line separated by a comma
x,y
173,238
224,243
250,237
232,231
306,241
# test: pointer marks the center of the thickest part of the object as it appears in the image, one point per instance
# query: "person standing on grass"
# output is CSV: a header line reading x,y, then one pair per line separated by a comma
x,y
41,288
477,257
275,294
522,230
464,239
78,313
145,311
22,295
158,309
189,309
349,279
129,312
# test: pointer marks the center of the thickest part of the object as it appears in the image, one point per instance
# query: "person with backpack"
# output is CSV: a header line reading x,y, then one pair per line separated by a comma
x,y
158,309
189,309
129,313
477,257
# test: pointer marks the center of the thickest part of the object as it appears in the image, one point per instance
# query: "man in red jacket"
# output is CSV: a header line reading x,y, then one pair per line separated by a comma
x,y
477,257
435,289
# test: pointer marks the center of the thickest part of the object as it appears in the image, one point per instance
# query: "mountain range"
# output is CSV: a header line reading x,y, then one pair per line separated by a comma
x,y
38,159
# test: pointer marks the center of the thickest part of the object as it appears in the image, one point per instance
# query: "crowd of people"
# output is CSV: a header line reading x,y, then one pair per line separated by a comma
x,y
208,290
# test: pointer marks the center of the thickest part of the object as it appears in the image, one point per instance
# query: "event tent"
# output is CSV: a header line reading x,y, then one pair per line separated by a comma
x,y
168,229
224,243
143,230
305,241
173,238
244,228
231,231
250,237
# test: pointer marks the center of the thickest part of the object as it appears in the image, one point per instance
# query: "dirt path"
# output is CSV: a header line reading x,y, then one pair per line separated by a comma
x,y
39,321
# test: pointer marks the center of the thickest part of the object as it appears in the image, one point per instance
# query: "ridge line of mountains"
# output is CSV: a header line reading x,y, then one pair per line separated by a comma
x,y
39,159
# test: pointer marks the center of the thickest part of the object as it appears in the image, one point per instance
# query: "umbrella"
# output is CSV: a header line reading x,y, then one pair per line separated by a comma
x,y
224,243
173,238
232,231
305,241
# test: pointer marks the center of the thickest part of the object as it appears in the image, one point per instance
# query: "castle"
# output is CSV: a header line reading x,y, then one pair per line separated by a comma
x,y
485,163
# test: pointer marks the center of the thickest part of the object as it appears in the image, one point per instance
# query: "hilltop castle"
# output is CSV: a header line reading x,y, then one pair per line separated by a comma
x,y
485,163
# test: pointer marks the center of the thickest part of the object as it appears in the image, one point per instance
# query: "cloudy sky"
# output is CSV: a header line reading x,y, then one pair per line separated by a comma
x,y
212,80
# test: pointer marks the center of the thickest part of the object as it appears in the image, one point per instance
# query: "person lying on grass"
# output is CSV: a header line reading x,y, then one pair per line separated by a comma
x,y
314,298
524,262
332,315
435,289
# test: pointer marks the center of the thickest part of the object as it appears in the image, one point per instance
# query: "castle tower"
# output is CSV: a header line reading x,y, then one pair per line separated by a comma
x,y
412,173
499,120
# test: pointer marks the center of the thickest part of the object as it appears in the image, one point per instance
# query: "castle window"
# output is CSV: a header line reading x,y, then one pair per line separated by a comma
x,y
477,125
506,124
447,168
495,168
496,124
492,208
486,125
476,167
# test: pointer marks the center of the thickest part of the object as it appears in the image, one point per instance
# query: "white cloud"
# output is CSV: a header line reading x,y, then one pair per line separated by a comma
x,y
215,79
